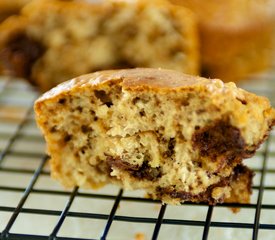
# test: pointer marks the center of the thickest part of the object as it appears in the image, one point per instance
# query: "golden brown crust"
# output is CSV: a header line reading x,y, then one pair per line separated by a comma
x,y
131,78
111,34
146,77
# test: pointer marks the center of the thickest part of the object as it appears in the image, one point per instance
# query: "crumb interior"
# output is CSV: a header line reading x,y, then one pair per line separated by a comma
x,y
162,142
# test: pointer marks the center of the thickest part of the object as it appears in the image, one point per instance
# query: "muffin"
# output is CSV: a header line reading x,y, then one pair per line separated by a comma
x,y
178,137
237,36
52,41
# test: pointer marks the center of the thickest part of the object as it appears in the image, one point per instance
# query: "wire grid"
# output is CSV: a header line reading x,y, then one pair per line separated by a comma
x,y
32,206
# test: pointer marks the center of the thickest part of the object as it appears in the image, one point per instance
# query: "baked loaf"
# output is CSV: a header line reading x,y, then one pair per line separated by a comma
x,y
179,137
237,36
52,41
11,7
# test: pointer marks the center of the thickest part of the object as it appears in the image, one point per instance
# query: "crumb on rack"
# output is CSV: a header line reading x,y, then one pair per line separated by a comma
x,y
139,236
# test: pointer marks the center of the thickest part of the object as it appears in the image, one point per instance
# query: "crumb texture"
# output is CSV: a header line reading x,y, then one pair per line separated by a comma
x,y
183,143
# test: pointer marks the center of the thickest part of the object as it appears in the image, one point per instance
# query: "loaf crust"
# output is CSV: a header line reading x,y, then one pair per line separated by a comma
x,y
237,36
52,41
178,137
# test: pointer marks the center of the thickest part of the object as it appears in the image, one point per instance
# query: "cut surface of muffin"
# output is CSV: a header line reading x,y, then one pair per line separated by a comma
x,y
178,137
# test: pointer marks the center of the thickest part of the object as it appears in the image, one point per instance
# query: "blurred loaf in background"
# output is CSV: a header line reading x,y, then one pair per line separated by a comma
x,y
236,36
52,41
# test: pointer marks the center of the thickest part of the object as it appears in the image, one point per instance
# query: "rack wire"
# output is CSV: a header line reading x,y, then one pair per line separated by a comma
x,y
32,206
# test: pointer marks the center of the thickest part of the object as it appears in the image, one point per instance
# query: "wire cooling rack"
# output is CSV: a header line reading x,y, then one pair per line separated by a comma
x,y
32,206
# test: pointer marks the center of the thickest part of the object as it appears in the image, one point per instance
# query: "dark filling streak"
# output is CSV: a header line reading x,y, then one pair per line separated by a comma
x,y
222,143
141,172
206,196
221,138
122,165
20,54
147,172
187,196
